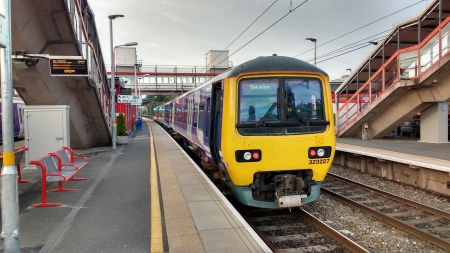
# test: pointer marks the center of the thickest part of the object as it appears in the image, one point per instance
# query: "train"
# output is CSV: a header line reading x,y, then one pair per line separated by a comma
x,y
263,131
18,126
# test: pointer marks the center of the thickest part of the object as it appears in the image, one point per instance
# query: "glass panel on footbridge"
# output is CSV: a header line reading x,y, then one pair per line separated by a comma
x,y
408,64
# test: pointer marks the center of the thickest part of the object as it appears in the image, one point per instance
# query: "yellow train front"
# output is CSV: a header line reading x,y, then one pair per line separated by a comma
x,y
277,139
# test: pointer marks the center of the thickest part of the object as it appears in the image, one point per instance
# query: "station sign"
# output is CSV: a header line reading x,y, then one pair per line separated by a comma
x,y
125,91
134,100
68,67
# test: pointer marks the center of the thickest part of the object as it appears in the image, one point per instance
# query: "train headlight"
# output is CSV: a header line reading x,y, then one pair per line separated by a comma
x,y
319,152
248,155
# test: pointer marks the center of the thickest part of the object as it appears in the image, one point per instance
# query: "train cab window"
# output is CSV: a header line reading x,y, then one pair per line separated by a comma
x,y
280,105
304,103
258,105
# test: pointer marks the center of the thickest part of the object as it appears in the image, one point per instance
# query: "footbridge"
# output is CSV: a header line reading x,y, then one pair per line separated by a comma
x,y
407,73
163,80
62,28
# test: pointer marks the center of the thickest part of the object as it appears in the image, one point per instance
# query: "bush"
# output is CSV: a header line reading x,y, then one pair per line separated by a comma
x,y
121,127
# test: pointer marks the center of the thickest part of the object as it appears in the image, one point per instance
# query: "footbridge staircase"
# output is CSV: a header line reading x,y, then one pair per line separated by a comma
x,y
412,79
62,28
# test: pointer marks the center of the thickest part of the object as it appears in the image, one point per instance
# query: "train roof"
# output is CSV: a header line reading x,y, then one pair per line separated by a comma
x,y
274,63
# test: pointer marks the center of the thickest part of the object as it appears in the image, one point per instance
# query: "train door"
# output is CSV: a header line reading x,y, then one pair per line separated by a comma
x,y
213,122
20,115
171,114
189,115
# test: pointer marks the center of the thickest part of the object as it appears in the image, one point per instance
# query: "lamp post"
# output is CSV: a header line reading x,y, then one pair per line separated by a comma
x,y
113,83
113,67
313,40
135,85
139,89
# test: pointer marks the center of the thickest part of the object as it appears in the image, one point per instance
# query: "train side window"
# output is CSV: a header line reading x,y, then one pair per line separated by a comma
x,y
201,115
208,111
20,115
13,117
195,115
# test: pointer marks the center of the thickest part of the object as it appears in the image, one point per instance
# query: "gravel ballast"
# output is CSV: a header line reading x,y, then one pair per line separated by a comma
x,y
369,232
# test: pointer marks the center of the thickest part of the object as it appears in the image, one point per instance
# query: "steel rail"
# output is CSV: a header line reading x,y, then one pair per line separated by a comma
x,y
393,221
344,241
397,198
331,232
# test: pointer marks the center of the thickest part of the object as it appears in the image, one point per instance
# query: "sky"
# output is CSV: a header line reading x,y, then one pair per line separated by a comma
x,y
180,32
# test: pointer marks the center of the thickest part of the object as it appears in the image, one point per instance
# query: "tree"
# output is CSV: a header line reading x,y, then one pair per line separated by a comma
x,y
121,127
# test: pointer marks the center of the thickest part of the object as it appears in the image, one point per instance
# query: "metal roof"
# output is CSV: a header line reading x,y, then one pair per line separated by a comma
x,y
404,34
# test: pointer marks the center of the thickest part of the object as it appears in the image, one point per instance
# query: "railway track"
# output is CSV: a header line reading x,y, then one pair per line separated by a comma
x,y
427,223
296,230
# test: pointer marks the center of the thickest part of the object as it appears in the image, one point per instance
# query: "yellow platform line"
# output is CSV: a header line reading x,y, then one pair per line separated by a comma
x,y
156,238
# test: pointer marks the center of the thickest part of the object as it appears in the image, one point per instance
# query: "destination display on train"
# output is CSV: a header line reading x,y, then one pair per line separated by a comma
x,y
68,67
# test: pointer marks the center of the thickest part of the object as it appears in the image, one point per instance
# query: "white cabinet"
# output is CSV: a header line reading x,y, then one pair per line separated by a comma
x,y
47,129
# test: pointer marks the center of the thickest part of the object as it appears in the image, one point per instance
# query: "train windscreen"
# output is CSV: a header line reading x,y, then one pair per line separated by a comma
x,y
280,106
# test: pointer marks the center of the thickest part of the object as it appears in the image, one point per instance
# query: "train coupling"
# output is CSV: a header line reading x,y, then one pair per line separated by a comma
x,y
288,191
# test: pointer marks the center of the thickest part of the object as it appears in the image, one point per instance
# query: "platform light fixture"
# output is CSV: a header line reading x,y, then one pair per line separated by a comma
x,y
313,40
112,83
139,91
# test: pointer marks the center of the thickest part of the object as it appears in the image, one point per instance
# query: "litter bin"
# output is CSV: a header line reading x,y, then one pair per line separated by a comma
x,y
138,124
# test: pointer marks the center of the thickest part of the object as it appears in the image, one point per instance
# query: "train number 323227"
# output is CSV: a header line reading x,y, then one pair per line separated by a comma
x,y
319,161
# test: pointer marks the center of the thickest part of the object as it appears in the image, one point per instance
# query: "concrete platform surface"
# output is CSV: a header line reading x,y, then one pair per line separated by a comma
x,y
435,156
110,211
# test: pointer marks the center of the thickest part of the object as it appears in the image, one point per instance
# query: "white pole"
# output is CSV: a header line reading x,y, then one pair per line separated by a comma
x,y
9,195
113,83
135,86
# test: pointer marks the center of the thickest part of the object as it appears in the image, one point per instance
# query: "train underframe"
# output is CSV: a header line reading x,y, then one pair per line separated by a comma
x,y
286,188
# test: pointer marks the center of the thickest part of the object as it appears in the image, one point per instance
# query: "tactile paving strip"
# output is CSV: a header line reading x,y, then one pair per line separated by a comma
x,y
181,232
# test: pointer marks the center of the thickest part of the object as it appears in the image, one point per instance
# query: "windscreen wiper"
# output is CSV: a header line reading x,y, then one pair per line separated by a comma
x,y
266,116
260,122
298,115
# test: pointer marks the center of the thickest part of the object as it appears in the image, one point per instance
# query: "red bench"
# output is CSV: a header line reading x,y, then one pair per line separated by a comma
x,y
59,166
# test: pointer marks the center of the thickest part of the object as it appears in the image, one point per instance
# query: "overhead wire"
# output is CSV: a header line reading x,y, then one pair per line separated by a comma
x,y
354,44
348,46
361,27
264,30
245,30
330,53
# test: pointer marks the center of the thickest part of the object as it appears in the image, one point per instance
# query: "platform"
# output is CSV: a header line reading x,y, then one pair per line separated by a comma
x,y
422,165
112,210
405,150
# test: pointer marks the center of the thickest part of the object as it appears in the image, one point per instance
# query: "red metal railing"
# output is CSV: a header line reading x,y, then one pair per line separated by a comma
x,y
408,63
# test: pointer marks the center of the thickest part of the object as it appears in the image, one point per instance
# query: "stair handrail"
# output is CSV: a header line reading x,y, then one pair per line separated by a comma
x,y
398,74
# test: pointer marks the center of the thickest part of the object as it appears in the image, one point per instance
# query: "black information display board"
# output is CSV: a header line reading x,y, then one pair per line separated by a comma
x,y
66,67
